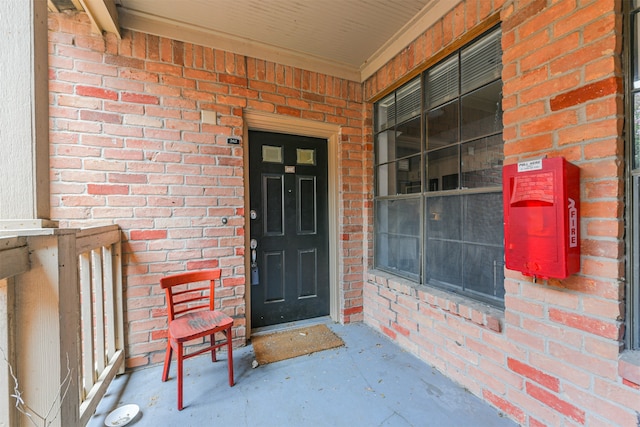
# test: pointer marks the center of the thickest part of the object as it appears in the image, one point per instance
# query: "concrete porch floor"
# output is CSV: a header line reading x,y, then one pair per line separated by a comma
x,y
368,382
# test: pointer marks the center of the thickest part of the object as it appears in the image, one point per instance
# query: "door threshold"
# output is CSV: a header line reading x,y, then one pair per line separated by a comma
x,y
290,325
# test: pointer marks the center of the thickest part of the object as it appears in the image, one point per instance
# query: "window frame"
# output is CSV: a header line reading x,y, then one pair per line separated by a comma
x,y
425,194
632,176
379,130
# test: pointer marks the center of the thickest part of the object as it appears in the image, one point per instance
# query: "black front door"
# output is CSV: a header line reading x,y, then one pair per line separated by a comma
x,y
289,228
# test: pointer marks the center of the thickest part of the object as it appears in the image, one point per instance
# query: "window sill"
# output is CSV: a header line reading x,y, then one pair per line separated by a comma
x,y
629,368
479,313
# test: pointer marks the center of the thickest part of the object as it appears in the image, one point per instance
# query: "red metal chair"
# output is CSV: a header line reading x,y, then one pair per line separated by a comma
x,y
191,317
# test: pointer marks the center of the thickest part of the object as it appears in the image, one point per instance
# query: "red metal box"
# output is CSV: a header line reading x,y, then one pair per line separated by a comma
x,y
542,217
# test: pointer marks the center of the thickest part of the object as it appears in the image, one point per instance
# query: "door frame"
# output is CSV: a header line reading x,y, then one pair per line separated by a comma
x,y
269,122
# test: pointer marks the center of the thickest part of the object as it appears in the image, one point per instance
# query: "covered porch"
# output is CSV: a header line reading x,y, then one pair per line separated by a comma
x,y
368,382
125,157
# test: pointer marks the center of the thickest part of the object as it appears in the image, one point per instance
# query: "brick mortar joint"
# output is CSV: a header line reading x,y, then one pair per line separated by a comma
x,y
491,318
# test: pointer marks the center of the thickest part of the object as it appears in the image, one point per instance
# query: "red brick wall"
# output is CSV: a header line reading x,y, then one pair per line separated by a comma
x,y
553,356
128,146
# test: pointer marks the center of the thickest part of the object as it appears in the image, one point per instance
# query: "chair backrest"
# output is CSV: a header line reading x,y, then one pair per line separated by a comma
x,y
184,299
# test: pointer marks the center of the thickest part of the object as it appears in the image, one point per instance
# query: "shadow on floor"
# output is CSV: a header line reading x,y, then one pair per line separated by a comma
x,y
369,382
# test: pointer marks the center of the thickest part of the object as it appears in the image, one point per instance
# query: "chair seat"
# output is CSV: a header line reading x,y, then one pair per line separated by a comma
x,y
198,324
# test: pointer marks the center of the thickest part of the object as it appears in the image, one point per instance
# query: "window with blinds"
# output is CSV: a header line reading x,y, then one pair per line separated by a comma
x,y
399,106
481,62
408,101
443,81
464,118
439,154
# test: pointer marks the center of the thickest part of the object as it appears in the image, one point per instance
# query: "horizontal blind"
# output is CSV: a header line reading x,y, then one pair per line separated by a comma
x,y
408,101
442,82
481,62
386,112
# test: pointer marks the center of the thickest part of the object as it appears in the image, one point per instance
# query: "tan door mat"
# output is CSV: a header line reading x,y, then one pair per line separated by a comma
x,y
283,345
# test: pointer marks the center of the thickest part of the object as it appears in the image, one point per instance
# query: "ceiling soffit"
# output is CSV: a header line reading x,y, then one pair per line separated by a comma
x,y
320,46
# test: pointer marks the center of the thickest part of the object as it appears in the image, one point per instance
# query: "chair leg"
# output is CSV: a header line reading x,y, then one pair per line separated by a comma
x,y
214,358
230,355
180,360
167,361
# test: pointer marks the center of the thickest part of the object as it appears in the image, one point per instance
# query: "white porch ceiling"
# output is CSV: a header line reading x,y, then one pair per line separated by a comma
x,y
344,38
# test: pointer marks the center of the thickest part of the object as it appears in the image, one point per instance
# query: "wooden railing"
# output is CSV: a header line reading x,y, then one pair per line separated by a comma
x,y
101,305
61,311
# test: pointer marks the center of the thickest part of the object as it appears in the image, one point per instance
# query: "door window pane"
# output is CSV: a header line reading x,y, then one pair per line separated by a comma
x,y
305,156
271,154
